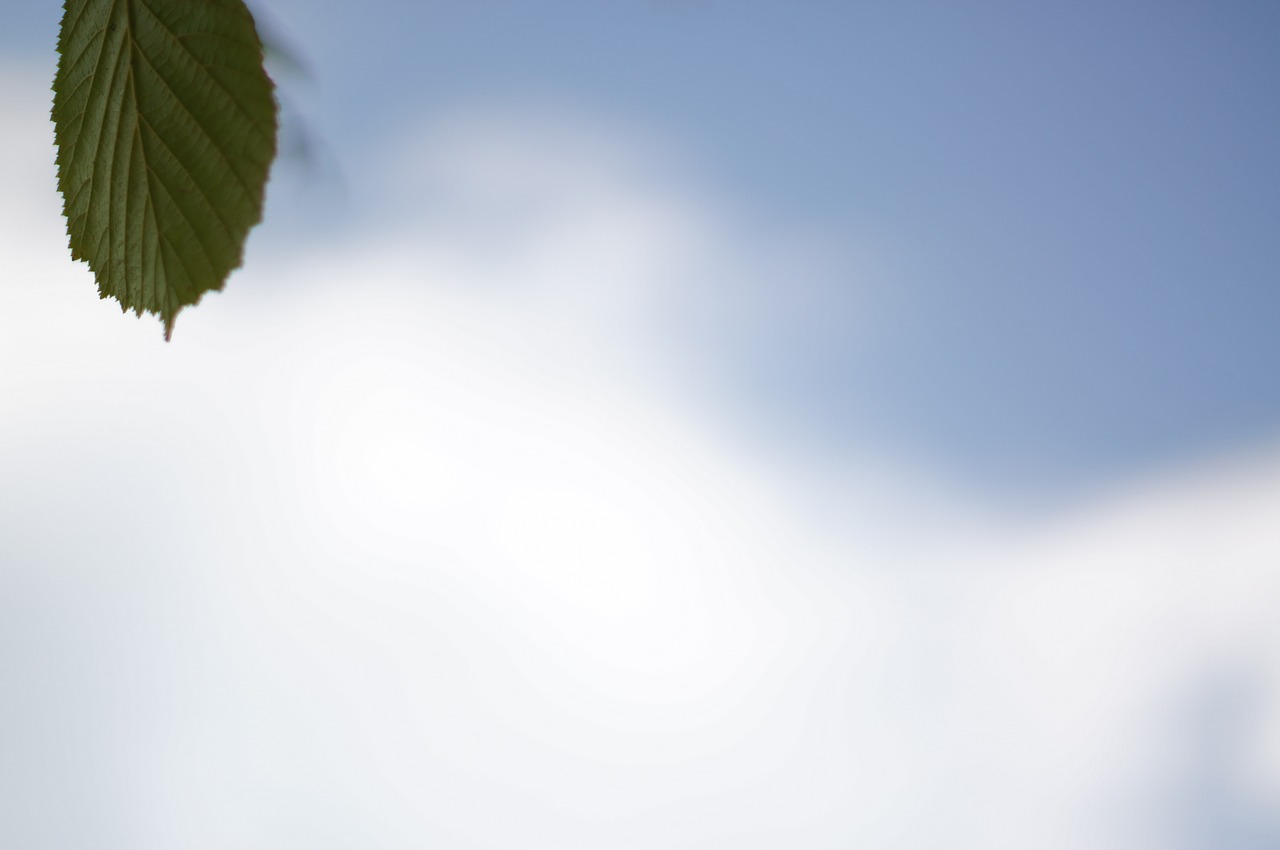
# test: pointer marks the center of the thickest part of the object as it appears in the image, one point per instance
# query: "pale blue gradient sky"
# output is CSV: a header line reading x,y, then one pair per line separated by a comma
x,y
623,441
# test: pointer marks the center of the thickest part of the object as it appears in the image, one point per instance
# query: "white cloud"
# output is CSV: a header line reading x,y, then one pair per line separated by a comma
x,y
413,542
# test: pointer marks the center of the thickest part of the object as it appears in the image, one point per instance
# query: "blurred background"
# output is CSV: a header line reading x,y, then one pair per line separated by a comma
x,y
668,424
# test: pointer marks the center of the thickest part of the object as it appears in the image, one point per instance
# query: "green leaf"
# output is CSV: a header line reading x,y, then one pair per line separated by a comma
x,y
165,123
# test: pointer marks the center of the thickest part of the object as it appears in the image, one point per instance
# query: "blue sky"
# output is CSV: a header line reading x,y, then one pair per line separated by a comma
x,y
669,424
1076,204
